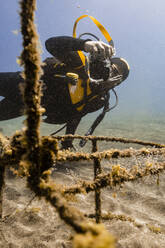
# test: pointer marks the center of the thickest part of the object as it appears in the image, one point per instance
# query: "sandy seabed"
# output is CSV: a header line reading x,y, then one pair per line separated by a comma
x,y
36,224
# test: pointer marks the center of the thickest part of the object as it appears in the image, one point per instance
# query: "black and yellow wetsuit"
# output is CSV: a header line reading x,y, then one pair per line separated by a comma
x,y
57,99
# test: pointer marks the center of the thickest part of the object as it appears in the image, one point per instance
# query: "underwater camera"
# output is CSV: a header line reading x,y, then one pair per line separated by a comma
x,y
99,67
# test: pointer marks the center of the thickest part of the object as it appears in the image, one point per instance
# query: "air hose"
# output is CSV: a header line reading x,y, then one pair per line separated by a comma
x,y
100,117
60,129
106,106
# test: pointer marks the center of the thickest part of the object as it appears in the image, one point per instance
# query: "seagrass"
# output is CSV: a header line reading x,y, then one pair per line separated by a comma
x,y
36,155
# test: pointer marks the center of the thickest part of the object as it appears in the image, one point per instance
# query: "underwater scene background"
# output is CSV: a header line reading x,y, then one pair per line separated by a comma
x,y
136,28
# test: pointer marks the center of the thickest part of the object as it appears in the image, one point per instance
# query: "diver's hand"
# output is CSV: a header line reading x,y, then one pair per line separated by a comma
x,y
99,48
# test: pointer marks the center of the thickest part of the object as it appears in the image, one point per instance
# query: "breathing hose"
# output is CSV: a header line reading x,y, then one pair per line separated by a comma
x,y
100,117
106,106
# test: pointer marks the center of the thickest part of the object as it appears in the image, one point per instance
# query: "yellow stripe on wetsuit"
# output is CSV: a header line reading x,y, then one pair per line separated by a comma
x,y
77,91
99,25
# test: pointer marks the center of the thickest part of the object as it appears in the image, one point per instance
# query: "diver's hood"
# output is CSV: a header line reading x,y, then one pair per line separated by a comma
x,y
122,66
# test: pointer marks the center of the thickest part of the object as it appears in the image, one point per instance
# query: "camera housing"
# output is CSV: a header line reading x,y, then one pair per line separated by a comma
x,y
99,67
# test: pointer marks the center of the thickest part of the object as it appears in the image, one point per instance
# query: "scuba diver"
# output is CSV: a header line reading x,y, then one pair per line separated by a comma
x,y
98,76
73,84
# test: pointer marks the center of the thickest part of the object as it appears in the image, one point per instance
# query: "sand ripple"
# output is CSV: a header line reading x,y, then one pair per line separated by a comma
x,y
39,226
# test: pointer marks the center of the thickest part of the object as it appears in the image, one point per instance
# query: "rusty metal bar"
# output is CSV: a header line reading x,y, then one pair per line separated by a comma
x,y
97,171
2,172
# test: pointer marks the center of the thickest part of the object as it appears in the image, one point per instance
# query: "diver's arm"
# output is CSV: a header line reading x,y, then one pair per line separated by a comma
x,y
65,48
56,45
